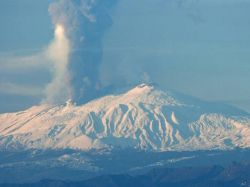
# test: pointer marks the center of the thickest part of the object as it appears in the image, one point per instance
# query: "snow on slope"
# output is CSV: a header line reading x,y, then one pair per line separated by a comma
x,y
144,117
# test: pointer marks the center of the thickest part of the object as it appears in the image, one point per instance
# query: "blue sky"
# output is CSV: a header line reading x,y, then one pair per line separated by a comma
x,y
198,47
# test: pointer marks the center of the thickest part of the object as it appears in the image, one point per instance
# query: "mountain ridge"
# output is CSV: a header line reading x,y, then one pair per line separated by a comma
x,y
144,117
233,175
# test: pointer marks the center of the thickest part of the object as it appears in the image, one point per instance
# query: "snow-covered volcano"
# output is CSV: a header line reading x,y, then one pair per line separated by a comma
x,y
145,117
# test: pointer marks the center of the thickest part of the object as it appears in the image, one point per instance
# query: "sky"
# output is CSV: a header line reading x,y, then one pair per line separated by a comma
x,y
197,47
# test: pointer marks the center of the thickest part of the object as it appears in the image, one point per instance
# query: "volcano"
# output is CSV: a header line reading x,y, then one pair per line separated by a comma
x,y
144,118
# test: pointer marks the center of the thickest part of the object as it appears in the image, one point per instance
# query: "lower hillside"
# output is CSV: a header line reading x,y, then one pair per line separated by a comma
x,y
234,175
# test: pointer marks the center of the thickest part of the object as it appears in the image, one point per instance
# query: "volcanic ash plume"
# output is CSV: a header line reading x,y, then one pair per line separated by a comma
x,y
85,22
59,90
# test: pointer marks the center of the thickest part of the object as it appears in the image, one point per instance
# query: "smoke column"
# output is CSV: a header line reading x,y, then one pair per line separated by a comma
x,y
59,90
85,22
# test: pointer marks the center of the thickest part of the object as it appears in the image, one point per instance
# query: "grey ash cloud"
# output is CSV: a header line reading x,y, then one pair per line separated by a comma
x,y
85,23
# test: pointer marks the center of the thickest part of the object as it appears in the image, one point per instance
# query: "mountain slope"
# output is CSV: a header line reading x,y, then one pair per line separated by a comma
x,y
144,117
234,175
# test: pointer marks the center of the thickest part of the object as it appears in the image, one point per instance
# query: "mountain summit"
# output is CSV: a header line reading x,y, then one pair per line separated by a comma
x,y
144,117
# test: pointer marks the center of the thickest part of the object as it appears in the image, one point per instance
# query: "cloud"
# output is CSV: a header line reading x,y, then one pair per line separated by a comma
x,y
23,75
176,45
59,90
75,53
53,59
19,62
85,23
21,90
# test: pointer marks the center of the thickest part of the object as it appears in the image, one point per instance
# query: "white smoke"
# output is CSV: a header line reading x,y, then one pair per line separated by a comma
x,y
59,90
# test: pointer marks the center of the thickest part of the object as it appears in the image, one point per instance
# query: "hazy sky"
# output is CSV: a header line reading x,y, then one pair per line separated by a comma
x,y
198,47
